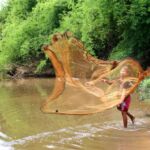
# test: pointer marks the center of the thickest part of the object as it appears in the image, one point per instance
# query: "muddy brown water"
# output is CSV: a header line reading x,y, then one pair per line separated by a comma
x,y
24,127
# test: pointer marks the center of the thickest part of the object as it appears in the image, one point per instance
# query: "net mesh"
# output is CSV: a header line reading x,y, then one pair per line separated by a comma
x,y
84,84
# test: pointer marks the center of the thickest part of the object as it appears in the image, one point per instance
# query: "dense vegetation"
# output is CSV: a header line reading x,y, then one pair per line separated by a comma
x,y
110,29
144,89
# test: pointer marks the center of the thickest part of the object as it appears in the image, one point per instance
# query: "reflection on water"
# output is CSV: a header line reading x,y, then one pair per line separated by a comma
x,y
24,127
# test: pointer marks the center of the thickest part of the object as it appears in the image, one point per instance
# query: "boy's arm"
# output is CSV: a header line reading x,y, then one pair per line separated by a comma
x,y
99,79
108,81
125,92
131,90
141,77
123,95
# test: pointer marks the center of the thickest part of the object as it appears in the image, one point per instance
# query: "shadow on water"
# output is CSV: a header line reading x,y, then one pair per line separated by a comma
x,y
24,127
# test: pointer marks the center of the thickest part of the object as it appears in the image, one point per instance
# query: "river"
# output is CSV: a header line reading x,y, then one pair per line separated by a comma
x,y
24,127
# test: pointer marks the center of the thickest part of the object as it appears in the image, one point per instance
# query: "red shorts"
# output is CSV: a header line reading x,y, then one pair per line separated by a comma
x,y
124,106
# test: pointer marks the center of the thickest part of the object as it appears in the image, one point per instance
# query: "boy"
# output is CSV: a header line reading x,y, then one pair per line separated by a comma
x,y
124,106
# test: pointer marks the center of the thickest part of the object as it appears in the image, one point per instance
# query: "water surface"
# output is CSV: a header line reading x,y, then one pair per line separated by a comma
x,y
24,127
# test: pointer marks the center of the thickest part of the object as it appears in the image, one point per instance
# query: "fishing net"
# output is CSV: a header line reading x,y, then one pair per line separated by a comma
x,y
85,84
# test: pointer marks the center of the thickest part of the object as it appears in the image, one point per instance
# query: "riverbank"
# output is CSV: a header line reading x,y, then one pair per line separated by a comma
x,y
17,71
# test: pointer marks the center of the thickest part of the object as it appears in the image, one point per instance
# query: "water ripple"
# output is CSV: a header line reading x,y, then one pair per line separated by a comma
x,y
72,134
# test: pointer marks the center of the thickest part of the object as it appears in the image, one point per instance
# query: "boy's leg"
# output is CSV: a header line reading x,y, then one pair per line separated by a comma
x,y
131,117
125,119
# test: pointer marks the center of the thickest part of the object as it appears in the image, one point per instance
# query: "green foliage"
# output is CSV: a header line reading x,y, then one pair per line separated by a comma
x,y
135,34
87,22
144,89
27,28
109,29
112,29
41,65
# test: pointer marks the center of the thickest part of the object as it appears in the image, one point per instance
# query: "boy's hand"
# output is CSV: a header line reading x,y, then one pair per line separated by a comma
x,y
141,76
90,83
104,80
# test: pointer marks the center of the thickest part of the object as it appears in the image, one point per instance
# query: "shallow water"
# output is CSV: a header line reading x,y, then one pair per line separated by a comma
x,y
24,127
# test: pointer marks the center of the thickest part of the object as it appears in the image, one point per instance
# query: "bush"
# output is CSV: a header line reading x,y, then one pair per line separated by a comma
x,y
109,29
144,89
26,29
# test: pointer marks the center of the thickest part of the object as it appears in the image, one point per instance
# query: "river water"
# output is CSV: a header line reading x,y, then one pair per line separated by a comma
x,y
24,127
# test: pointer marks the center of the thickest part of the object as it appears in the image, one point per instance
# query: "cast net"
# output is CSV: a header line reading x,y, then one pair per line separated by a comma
x,y
84,84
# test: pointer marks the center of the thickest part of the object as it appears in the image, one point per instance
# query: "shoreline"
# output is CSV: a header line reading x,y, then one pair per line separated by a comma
x,y
26,71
